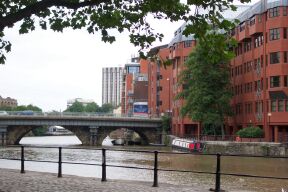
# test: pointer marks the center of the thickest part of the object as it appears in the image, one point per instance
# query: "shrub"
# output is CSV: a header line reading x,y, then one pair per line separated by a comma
x,y
250,132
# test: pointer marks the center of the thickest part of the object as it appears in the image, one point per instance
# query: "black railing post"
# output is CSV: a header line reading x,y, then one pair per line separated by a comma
x,y
103,165
155,183
22,160
218,174
60,163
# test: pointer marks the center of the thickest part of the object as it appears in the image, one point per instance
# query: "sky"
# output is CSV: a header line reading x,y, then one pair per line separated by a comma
x,y
47,68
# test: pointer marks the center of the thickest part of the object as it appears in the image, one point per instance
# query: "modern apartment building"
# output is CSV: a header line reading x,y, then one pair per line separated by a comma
x,y
112,85
259,72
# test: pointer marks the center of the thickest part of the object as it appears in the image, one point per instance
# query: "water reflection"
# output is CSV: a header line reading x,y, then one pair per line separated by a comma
x,y
255,166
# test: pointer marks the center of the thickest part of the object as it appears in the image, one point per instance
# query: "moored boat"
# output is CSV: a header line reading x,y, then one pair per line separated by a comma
x,y
188,145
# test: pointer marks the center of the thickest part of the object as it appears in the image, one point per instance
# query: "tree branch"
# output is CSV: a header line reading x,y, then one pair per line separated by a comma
x,y
37,7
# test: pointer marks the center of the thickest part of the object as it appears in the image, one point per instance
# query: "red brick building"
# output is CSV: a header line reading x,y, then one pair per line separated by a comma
x,y
135,85
259,72
179,49
159,82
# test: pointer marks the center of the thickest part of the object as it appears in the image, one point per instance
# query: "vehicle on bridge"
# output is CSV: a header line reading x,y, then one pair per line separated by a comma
x,y
26,112
3,113
140,109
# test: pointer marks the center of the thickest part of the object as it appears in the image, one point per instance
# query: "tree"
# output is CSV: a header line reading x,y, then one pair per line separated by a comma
x,y
207,81
21,108
103,15
92,107
76,107
106,108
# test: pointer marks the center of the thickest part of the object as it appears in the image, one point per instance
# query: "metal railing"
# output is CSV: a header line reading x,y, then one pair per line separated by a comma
x,y
281,138
78,114
155,169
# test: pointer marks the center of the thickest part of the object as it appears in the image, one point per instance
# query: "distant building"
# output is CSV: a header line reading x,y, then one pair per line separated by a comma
x,y
135,85
112,85
8,102
80,100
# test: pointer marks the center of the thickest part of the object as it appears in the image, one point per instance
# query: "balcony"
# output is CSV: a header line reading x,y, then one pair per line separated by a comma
x,y
176,53
243,32
256,28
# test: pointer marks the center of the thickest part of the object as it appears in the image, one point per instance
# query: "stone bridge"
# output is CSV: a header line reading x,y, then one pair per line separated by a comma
x,y
91,130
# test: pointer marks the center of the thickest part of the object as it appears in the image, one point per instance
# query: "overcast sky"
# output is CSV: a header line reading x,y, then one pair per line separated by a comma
x,y
47,68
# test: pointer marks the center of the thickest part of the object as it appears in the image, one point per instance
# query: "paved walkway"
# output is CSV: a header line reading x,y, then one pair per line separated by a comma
x,y
14,181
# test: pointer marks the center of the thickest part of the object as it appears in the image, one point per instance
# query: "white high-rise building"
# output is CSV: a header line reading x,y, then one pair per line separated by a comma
x,y
112,85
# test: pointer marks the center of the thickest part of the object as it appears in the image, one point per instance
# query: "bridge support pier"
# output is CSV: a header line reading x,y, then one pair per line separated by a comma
x,y
93,135
3,135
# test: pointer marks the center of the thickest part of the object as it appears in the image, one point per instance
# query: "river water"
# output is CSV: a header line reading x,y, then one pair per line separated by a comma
x,y
244,165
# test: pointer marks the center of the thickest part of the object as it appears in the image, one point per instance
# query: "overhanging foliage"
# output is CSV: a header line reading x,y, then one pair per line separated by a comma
x,y
102,15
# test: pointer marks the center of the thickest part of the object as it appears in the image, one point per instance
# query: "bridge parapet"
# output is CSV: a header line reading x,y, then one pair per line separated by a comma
x,y
78,114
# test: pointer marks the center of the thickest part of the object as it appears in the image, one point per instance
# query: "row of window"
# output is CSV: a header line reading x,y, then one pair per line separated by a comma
x,y
273,12
247,67
247,87
247,108
275,81
257,64
274,34
247,45
187,43
275,57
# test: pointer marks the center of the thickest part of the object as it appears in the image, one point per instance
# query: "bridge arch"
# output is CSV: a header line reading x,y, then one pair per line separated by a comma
x,y
16,133
147,136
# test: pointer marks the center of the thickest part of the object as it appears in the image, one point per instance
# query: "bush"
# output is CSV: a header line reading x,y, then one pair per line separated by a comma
x,y
250,132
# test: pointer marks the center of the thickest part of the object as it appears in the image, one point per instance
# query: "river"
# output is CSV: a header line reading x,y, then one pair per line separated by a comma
x,y
254,166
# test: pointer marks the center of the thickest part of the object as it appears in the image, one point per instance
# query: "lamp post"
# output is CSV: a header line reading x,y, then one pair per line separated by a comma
x,y
268,124
168,96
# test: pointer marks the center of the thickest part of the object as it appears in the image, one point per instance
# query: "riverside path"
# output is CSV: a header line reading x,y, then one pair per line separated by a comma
x,y
13,181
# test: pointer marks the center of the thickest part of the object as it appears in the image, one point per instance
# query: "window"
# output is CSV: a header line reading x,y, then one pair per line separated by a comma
x,y
285,55
274,57
274,81
252,21
242,26
274,12
185,58
284,11
247,46
187,43
259,106
259,18
274,34
258,40
286,81
273,105
285,33
281,105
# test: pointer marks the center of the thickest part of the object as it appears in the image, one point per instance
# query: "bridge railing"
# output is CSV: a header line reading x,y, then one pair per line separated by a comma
x,y
217,173
78,114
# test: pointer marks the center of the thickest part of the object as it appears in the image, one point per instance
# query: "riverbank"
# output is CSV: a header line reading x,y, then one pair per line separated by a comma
x,y
12,181
247,148
242,148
